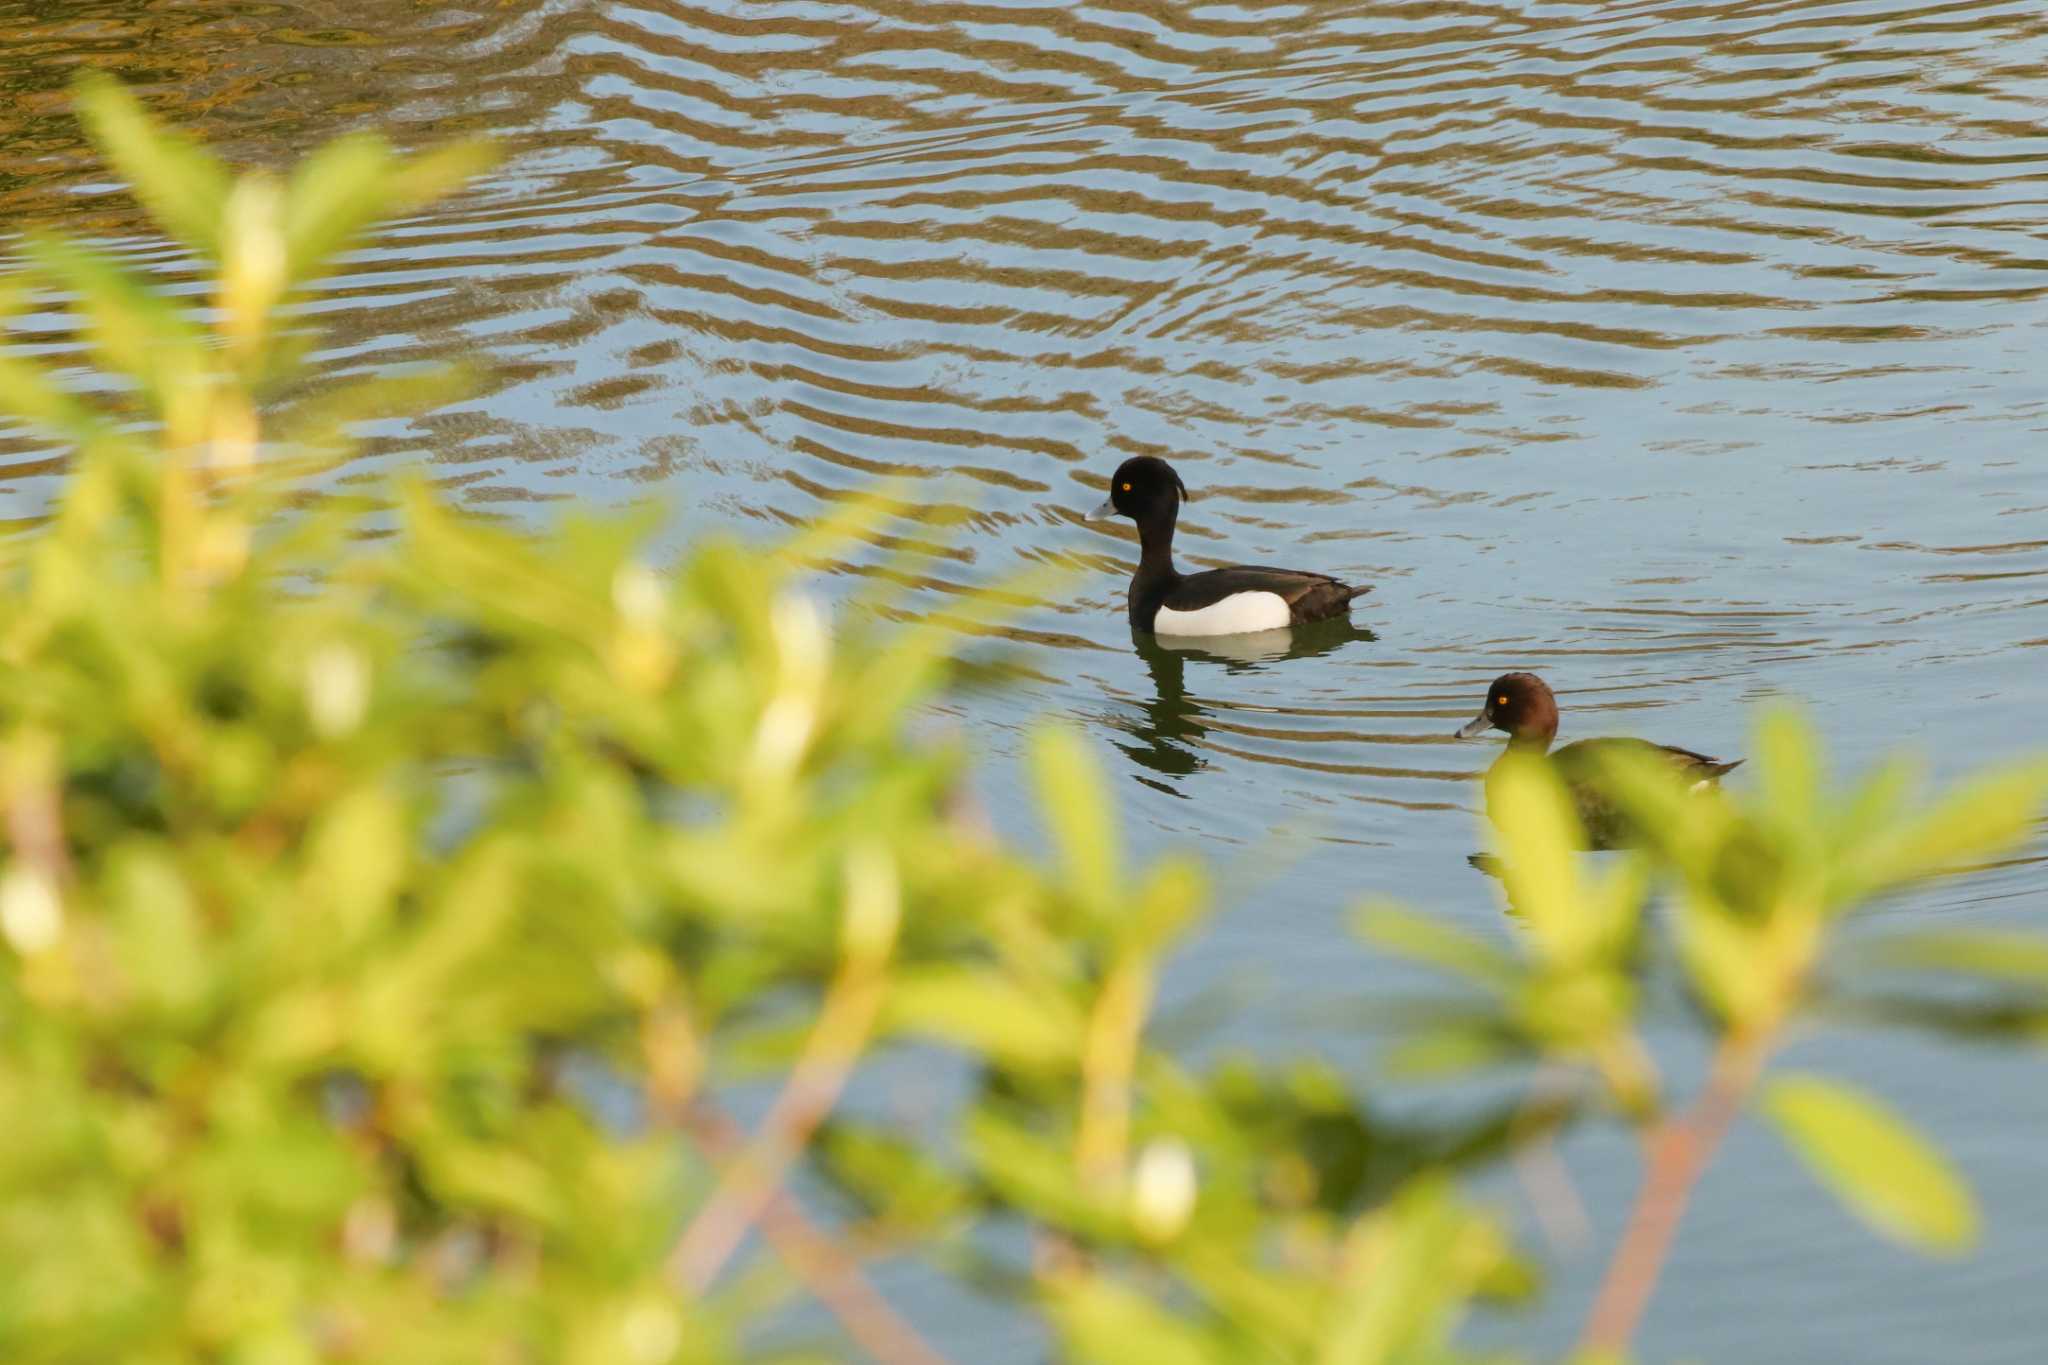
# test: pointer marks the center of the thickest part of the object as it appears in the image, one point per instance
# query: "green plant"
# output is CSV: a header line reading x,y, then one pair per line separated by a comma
x,y
1760,889
392,924
460,945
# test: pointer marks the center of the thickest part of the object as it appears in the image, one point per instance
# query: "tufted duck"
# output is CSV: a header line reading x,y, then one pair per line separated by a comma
x,y
1229,601
1522,705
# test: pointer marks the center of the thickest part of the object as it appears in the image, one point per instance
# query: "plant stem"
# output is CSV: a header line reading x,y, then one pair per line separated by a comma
x,y
1546,1180
1675,1154
828,1269
33,804
1109,1056
752,1178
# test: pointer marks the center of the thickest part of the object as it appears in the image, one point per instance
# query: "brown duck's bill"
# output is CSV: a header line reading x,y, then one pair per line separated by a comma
x,y
1475,727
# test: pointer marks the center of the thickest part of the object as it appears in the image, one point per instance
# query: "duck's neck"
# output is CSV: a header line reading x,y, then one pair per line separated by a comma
x,y
1156,575
1533,741
1155,545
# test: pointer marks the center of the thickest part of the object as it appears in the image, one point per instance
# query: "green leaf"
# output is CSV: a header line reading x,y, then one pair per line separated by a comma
x,y
1078,809
1454,1049
1540,839
415,986
1685,829
337,192
847,521
1411,1267
984,1013
495,576
1885,1172
1873,806
1101,1320
1577,1011
427,176
1989,955
1169,899
322,425
159,935
1036,1173
1789,760
1423,939
30,392
1984,818
1997,1019
357,854
492,1176
181,184
892,1176
1721,952
138,333
332,196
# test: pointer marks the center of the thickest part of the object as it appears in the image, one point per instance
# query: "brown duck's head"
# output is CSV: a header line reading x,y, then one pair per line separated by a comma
x,y
1519,703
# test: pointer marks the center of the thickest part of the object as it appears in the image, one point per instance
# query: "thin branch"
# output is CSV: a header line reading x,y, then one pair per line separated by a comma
x,y
752,1178
1547,1182
1675,1154
831,1272
29,786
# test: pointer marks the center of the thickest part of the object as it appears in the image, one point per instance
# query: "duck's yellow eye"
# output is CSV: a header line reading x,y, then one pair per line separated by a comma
x,y
1501,700
1127,488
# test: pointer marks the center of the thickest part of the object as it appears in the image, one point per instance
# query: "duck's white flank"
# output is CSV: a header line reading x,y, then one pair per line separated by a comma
x,y
1234,615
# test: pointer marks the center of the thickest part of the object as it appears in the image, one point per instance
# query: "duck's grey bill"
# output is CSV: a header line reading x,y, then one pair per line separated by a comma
x,y
1107,510
1475,727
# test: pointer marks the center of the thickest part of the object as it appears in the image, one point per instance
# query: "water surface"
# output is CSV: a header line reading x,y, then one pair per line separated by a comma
x,y
1690,354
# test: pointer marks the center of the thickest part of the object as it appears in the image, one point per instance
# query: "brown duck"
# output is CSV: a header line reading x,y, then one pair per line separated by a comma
x,y
1523,705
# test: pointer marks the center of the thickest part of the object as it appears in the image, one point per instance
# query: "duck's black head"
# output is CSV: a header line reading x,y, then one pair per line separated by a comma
x,y
1519,703
1145,489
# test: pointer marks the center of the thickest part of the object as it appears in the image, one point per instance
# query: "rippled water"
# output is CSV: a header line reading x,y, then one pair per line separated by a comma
x,y
1688,353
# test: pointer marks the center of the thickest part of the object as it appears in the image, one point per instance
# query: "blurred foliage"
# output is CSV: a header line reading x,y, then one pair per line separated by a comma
x,y
460,945
1759,887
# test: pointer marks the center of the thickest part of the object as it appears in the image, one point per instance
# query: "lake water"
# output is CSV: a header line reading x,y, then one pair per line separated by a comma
x,y
1691,354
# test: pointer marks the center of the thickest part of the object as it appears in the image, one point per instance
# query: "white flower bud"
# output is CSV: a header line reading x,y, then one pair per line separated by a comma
x,y
638,595
337,689
1163,1190
31,915
803,653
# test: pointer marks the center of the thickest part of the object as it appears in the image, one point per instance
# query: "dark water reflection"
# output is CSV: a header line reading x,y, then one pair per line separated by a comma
x,y
1687,353
1169,722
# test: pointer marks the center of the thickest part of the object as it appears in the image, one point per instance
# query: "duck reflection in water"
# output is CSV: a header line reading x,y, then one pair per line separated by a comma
x,y
1167,730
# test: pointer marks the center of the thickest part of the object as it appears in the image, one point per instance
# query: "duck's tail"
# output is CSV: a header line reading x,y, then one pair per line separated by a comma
x,y
1353,591
1714,770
